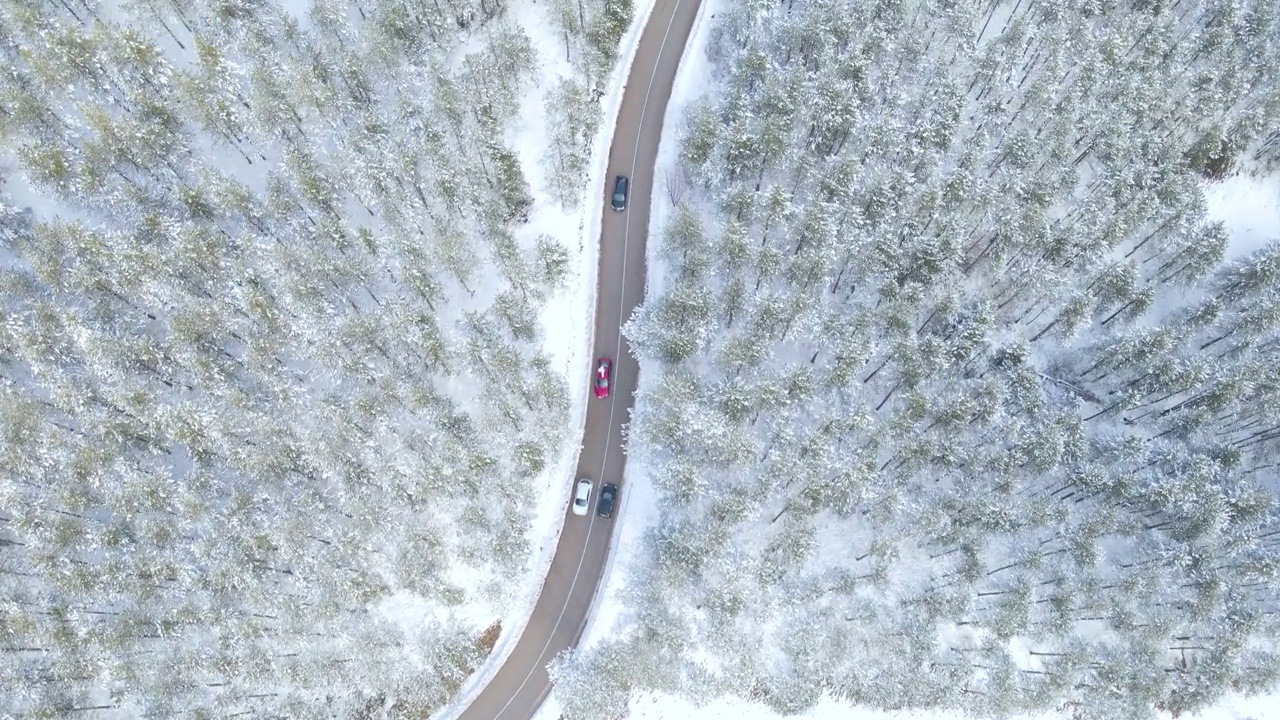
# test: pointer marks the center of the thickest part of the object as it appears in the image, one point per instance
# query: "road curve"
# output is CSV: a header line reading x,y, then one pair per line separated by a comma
x,y
520,686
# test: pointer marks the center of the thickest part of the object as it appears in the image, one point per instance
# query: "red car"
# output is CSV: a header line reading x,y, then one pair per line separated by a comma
x,y
603,367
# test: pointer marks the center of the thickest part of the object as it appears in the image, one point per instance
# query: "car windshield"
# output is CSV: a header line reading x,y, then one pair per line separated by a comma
x,y
580,501
601,380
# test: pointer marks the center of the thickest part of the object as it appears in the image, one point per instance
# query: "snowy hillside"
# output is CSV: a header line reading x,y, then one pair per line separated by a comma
x,y
282,416
960,391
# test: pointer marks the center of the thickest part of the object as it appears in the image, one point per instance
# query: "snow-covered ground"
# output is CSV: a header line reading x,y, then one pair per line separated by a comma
x,y
651,706
1250,207
567,320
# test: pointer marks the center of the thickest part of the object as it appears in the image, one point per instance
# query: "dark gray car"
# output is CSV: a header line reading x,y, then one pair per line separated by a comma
x,y
620,193
608,495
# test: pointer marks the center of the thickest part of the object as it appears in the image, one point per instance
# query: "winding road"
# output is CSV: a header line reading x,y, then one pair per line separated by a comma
x,y
558,619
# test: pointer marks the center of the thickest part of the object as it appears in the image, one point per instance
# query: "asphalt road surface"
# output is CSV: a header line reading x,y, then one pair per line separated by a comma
x,y
520,686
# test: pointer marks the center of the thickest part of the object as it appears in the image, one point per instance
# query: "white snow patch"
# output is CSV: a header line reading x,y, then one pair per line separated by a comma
x,y
658,706
299,9
416,616
1020,651
1250,207
550,709
1237,708
410,612
655,706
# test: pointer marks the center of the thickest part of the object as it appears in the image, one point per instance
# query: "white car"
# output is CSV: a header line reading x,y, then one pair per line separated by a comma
x,y
580,500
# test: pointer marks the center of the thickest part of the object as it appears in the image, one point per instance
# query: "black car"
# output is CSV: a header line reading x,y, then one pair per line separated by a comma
x,y
620,193
608,494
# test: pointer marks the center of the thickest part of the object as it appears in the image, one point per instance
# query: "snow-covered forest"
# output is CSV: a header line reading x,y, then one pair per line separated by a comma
x,y
270,357
957,399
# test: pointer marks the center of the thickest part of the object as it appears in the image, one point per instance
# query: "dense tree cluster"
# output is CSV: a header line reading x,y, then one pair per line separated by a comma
x,y
269,349
958,402
591,44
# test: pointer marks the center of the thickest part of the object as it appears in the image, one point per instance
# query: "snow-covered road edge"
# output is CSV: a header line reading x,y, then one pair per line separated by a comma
x,y
588,273
640,496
